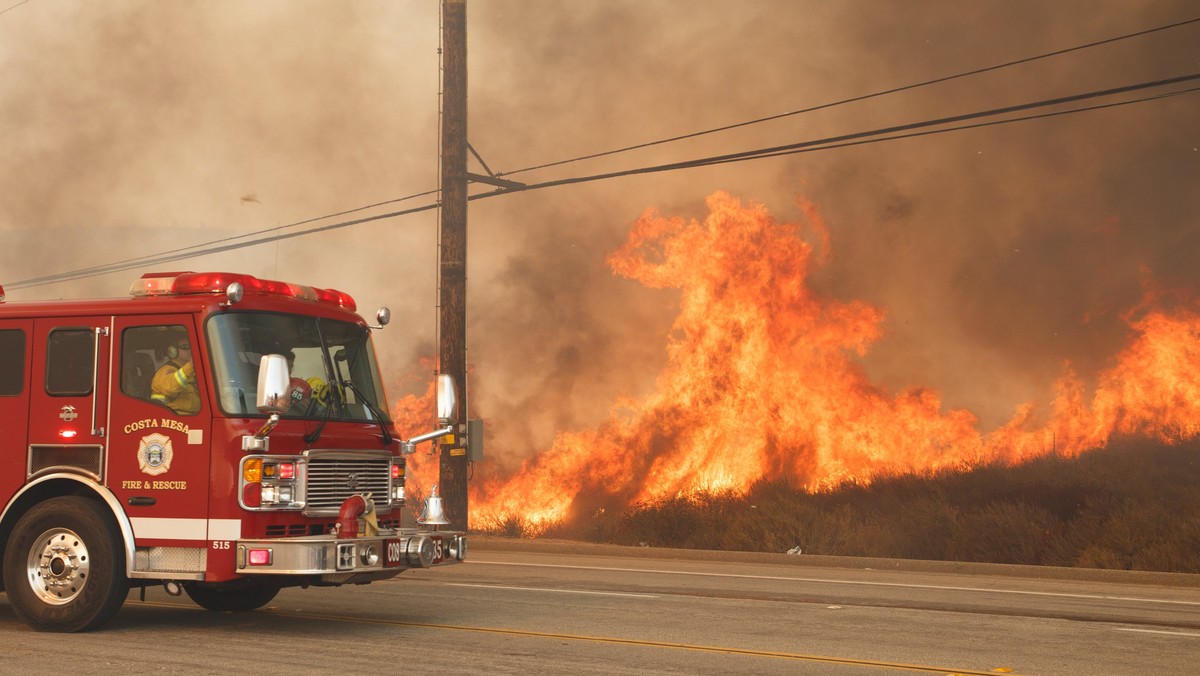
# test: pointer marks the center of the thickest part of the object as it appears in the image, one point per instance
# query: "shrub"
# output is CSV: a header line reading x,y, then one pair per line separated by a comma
x,y
1132,505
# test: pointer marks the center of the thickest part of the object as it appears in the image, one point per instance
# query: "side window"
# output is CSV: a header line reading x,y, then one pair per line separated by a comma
x,y
156,366
141,355
70,358
12,362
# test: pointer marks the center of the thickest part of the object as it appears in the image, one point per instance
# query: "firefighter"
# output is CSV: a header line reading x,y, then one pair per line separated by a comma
x,y
304,392
298,390
174,383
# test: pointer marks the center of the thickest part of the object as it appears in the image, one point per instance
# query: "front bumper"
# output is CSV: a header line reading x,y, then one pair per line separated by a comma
x,y
377,556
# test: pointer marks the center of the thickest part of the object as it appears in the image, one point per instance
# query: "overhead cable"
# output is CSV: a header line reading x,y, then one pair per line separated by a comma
x,y
171,254
827,141
930,127
9,9
862,97
182,255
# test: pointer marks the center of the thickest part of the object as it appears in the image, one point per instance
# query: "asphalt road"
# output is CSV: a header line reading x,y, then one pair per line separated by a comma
x,y
547,608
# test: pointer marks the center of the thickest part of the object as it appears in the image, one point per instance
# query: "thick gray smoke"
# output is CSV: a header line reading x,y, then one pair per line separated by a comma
x,y
139,126
998,254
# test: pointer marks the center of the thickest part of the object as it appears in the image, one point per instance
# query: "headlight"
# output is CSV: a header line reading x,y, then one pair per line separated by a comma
x,y
271,482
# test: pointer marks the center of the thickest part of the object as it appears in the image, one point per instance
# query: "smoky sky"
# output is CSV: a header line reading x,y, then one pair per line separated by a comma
x,y
997,255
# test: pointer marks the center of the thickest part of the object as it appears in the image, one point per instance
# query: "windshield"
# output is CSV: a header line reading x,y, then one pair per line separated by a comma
x,y
332,364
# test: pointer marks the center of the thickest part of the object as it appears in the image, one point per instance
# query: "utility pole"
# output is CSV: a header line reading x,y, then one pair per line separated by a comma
x,y
452,275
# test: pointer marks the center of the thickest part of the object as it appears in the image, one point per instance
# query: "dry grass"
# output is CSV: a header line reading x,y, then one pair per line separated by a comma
x,y
1134,505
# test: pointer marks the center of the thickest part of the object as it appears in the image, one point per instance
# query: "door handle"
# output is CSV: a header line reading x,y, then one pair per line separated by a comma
x,y
99,331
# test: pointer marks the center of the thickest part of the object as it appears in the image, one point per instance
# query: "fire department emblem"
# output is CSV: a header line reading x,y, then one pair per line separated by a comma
x,y
154,454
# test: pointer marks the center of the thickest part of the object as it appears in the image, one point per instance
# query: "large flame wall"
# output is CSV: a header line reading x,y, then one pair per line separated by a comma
x,y
763,381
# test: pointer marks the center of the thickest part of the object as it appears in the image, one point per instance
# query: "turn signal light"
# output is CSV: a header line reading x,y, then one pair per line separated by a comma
x,y
252,470
272,483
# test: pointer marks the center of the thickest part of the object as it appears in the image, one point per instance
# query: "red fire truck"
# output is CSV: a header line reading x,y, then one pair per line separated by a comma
x,y
220,434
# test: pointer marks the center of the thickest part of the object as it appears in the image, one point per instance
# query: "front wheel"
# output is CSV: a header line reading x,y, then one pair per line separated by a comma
x,y
64,567
239,598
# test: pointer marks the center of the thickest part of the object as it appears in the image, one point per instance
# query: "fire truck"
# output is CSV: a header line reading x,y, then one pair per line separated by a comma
x,y
220,434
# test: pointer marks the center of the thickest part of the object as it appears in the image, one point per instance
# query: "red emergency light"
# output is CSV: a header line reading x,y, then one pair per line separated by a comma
x,y
259,557
196,283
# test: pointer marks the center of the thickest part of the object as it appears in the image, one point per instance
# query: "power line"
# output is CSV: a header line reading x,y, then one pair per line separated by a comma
x,y
6,11
173,254
178,255
780,150
829,143
169,255
845,140
863,97
964,127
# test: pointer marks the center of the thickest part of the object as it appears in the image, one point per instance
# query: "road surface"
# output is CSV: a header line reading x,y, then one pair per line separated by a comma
x,y
551,608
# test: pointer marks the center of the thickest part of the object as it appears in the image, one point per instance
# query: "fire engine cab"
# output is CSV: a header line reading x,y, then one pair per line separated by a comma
x,y
217,433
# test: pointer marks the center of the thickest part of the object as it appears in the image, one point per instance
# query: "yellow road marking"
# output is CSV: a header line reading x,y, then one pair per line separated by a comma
x,y
611,640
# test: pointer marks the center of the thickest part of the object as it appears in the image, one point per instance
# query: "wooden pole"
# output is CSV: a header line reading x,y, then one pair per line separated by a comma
x,y
452,277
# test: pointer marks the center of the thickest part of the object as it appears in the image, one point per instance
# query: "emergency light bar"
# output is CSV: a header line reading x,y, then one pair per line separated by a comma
x,y
195,283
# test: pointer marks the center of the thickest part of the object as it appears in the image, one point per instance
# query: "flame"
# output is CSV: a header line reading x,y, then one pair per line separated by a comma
x,y
762,381
413,415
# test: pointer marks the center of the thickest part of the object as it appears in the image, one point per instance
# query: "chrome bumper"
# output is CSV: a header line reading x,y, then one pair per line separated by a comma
x,y
386,553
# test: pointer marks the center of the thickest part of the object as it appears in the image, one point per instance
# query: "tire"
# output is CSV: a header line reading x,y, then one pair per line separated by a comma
x,y
64,566
238,599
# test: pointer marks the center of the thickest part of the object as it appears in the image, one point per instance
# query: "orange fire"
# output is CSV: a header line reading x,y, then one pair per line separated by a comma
x,y
762,382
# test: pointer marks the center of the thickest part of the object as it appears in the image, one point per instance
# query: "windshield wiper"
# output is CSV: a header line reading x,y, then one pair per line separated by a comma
x,y
311,437
387,436
334,397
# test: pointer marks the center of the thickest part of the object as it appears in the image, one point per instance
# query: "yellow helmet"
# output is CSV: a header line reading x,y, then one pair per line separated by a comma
x,y
320,391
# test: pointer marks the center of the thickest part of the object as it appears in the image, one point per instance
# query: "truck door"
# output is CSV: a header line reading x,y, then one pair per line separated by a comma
x,y
68,406
16,342
159,444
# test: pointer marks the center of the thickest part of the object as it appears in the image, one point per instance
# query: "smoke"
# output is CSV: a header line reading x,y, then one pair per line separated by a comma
x,y
1000,253
139,127
996,254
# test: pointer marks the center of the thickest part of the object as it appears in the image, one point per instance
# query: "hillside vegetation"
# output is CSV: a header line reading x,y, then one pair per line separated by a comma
x,y
1134,505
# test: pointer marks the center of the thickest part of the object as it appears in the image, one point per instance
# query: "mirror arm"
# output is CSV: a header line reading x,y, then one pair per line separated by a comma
x,y
409,447
259,443
267,426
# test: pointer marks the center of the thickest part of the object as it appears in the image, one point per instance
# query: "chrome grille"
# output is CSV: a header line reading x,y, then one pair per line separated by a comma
x,y
333,476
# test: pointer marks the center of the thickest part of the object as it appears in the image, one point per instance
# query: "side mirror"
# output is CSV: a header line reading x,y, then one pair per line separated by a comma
x,y
447,411
447,400
384,317
273,384
234,293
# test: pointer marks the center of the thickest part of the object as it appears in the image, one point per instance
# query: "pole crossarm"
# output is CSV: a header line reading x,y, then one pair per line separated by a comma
x,y
498,182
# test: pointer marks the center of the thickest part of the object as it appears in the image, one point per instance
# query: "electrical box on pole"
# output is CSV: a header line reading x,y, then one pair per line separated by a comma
x,y
452,275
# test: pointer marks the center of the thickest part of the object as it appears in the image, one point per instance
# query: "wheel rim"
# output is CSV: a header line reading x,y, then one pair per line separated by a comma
x,y
58,566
